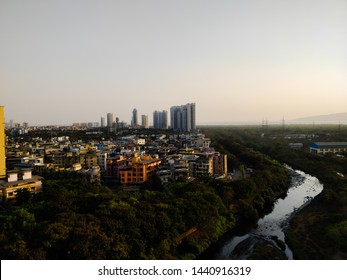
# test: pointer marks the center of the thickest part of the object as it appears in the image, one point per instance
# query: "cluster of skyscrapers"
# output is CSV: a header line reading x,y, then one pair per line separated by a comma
x,y
160,120
182,118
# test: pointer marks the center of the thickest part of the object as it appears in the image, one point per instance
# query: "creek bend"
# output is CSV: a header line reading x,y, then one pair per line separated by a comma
x,y
303,188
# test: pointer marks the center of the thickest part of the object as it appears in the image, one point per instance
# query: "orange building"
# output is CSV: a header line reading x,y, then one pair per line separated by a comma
x,y
138,169
113,166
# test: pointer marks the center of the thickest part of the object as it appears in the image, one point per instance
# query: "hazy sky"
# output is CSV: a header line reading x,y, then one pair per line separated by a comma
x,y
65,61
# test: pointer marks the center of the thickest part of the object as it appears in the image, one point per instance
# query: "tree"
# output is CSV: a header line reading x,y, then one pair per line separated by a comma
x,y
22,196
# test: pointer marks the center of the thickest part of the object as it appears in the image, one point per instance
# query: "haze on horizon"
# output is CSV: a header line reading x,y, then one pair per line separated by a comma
x,y
66,61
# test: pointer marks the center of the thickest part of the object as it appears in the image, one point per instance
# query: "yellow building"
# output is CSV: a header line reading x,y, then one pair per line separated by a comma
x,y
138,169
88,160
2,144
19,179
220,164
12,181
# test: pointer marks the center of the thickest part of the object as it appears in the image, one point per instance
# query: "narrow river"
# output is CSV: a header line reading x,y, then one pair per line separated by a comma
x,y
272,226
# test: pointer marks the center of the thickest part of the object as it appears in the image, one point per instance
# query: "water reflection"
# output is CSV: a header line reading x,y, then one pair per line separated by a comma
x,y
271,228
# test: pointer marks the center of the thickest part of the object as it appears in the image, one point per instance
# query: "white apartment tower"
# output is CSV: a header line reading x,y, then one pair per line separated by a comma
x,y
109,120
144,123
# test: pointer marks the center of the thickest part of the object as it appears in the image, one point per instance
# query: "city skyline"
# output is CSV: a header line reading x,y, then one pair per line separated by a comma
x,y
160,120
239,61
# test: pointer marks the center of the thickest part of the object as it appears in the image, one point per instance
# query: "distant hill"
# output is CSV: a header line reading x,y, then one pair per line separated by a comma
x,y
331,118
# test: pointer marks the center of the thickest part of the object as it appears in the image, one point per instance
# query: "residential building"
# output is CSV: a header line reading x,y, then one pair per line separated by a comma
x,y
102,161
220,166
109,120
134,122
203,165
102,120
114,164
139,169
88,160
62,159
2,144
144,123
139,141
34,162
165,176
199,141
156,119
160,120
93,174
176,166
183,118
19,179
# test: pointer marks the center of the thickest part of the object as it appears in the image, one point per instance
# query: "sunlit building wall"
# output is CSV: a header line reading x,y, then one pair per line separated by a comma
x,y
144,119
139,169
109,120
102,122
2,144
183,118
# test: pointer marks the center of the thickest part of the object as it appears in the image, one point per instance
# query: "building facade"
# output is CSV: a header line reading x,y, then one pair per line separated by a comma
x,y
17,180
138,169
183,118
203,166
328,147
134,122
102,161
2,144
114,164
144,122
102,121
109,120
220,164
160,120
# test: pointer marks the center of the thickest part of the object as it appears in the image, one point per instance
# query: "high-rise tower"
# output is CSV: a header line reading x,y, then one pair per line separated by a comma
x,y
109,120
102,121
2,144
160,120
144,119
134,122
183,117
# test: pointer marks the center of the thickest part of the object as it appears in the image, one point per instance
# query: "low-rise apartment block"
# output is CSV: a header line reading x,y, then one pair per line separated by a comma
x,y
19,179
138,169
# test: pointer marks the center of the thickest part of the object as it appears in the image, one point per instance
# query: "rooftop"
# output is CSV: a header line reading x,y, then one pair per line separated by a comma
x,y
5,184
